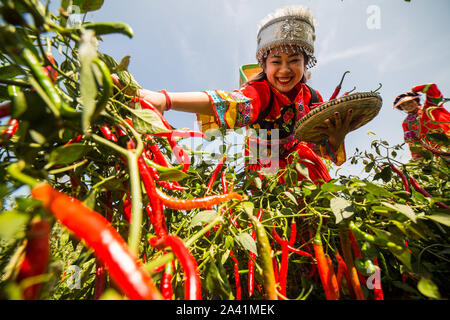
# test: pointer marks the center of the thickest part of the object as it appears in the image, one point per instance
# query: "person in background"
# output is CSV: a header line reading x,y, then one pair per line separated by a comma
x,y
421,120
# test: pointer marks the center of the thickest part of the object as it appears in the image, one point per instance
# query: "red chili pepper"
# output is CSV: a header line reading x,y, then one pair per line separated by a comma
x,y
236,276
355,247
189,204
172,186
402,176
180,154
36,256
127,208
327,275
120,130
5,109
13,125
166,281
123,266
187,261
159,220
74,140
343,265
215,174
421,190
100,279
251,273
298,251
338,88
107,133
223,180
293,235
251,260
159,156
284,266
377,291
50,70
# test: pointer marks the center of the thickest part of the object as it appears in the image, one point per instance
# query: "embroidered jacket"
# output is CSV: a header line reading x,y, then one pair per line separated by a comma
x,y
249,107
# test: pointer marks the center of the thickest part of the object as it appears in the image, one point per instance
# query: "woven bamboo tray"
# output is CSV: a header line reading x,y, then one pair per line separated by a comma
x,y
364,104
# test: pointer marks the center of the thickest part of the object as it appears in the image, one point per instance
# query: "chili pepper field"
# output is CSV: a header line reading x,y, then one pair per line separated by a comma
x,y
99,200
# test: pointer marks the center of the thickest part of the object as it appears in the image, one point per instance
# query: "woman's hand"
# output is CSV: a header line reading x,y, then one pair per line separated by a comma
x,y
336,132
157,99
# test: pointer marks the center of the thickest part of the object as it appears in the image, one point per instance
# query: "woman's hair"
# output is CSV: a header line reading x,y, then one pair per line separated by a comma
x,y
262,75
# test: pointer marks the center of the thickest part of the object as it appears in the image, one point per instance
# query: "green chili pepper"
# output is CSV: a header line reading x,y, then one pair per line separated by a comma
x,y
365,266
101,28
373,239
265,254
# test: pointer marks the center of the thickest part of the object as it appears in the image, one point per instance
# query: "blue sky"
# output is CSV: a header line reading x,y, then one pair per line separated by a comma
x,y
195,45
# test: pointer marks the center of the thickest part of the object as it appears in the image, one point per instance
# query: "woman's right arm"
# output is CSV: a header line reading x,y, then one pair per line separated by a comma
x,y
193,102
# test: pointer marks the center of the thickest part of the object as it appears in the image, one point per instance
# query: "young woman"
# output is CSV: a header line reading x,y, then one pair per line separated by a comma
x,y
274,99
422,119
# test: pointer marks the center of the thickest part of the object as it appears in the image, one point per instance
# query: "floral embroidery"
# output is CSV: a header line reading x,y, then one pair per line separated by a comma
x,y
288,116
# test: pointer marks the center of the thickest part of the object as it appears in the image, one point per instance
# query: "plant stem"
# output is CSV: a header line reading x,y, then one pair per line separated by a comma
x,y
204,230
136,203
68,168
110,144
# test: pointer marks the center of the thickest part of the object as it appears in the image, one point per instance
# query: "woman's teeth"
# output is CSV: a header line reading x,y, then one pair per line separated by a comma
x,y
284,80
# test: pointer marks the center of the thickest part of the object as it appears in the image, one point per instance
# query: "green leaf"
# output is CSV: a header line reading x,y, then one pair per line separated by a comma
x,y
88,86
331,187
341,208
202,217
440,218
291,197
217,283
303,169
13,224
403,255
246,240
90,200
67,154
428,288
248,207
147,121
172,175
377,190
88,5
102,28
10,71
401,208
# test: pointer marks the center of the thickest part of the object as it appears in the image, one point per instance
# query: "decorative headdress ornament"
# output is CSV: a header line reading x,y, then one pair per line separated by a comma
x,y
408,96
291,28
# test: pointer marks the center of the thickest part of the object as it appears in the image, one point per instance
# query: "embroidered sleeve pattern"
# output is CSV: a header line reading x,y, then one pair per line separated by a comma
x,y
232,109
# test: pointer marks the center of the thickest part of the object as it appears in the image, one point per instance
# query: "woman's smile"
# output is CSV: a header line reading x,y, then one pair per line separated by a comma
x,y
284,71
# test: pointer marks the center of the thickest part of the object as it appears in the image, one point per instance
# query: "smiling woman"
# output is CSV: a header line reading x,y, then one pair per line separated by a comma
x,y
274,100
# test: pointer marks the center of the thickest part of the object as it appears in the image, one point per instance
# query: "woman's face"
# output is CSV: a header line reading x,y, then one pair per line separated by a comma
x,y
283,70
410,106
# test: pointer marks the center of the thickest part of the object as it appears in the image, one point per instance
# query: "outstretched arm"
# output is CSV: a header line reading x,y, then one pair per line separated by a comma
x,y
193,102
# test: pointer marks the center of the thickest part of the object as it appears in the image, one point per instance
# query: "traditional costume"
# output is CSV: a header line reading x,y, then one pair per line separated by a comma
x,y
429,117
259,106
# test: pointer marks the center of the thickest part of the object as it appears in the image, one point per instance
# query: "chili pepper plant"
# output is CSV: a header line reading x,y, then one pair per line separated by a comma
x,y
100,200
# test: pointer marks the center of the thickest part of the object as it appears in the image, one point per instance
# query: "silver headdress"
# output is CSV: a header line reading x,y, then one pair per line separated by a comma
x,y
288,29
